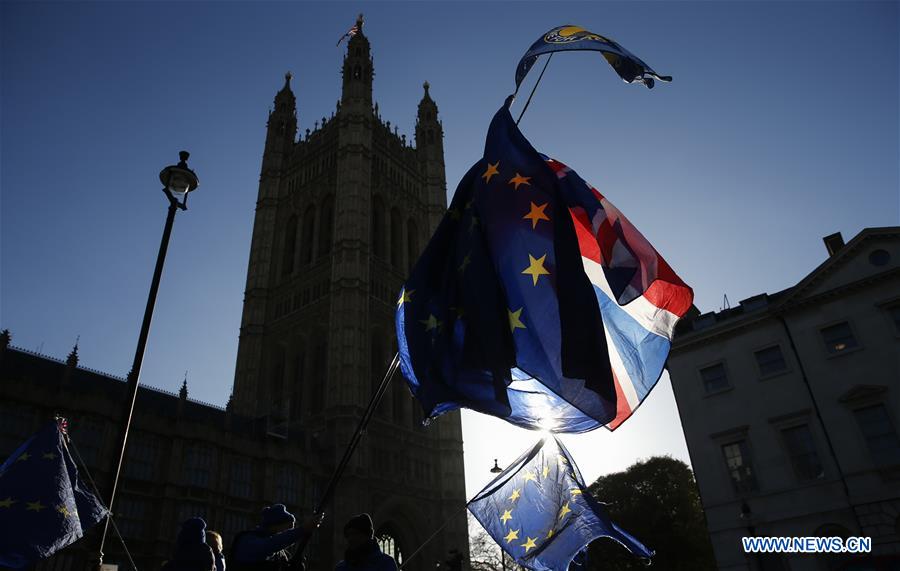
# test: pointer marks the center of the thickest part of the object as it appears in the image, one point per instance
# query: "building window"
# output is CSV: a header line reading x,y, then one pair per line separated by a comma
x,y
770,360
326,226
737,460
241,481
838,338
88,435
309,233
143,457
319,377
412,243
290,243
378,227
197,465
131,513
286,484
389,546
894,312
880,435
802,451
396,239
714,378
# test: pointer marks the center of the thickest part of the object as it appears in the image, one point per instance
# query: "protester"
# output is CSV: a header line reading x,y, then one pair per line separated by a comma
x,y
191,551
214,540
363,553
263,548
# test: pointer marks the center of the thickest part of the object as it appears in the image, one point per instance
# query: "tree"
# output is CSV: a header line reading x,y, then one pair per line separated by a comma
x,y
656,501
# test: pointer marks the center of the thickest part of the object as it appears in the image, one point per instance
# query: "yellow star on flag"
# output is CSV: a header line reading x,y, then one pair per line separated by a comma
x,y
576,492
536,268
515,495
513,534
64,511
431,323
34,506
549,534
491,171
565,509
466,261
530,477
519,180
405,296
49,456
529,543
23,457
537,214
507,515
515,321
8,502
546,470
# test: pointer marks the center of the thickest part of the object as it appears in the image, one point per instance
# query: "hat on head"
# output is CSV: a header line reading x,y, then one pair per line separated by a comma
x,y
361,523
276,514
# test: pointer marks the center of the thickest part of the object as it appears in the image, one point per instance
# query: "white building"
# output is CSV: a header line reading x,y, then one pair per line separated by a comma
x,y
790,405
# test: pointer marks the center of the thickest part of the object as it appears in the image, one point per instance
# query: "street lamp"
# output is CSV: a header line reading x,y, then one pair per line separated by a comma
x,y
178,181
496,469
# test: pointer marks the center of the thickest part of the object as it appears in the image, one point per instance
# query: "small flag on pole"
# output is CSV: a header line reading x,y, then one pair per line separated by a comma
x,y
540,512
353,30
43,504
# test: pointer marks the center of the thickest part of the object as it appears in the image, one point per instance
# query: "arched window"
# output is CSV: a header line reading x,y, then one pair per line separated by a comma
x,y
396,239
389,545
326,225
309,233
276,395
290,244
378,227
412,243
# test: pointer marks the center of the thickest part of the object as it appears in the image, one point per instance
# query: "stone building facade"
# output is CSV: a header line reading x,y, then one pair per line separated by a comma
x,y
790,405
342,214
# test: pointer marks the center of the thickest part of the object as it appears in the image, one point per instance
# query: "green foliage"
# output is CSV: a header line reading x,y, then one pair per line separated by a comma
x,y
656,501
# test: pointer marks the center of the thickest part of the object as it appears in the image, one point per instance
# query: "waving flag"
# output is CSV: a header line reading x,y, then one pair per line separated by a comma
x,y
540,512
43,504
515,307
574,38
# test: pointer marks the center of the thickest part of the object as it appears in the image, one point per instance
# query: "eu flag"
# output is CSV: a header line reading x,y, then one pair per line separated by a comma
x,y
575,38
43,504
535,300
539,511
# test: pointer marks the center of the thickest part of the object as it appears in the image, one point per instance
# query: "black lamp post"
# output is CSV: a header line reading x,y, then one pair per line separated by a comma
x,y
178,181
496,469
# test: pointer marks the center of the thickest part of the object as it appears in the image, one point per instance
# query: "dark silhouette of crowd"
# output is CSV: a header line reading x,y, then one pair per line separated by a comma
x,y
265,547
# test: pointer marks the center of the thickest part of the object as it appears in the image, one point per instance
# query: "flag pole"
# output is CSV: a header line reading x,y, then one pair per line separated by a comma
x,y
533,89
297,559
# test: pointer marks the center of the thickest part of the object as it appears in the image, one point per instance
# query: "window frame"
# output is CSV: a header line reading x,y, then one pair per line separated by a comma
x,y
765,376
728,386
801,423
847,351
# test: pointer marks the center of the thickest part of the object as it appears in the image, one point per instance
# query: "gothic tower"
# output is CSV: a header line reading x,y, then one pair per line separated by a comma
x,y
342,214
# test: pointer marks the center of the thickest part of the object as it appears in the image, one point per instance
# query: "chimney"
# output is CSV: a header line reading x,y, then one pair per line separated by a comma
x,y
833,243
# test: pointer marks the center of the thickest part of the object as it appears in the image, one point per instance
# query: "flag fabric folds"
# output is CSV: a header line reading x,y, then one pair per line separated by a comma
x,y
43,504
535,301
568,38
540,512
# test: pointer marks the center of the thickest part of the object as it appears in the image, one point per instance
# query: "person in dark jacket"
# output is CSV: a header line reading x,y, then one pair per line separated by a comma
x,y
363,553
264,546
191,551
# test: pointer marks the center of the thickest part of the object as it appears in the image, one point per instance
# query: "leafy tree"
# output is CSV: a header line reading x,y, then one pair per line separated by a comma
x,y
656,501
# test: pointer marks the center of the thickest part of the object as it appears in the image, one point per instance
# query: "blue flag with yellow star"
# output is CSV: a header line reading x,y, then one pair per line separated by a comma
x,y
43,504
575,38
540,512
498,314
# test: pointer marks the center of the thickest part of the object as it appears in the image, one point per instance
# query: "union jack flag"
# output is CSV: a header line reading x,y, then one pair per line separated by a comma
x,y
350,33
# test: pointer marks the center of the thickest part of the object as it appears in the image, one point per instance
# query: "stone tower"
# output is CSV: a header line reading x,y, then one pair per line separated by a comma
x,y
341,216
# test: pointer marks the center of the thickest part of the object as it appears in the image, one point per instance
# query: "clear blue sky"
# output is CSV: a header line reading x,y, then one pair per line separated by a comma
x,y
780,127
